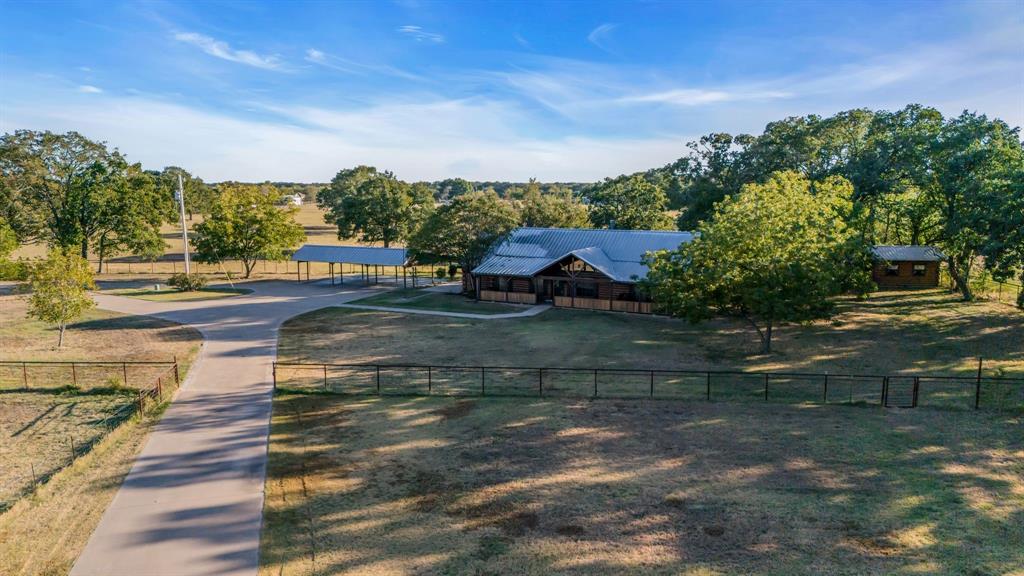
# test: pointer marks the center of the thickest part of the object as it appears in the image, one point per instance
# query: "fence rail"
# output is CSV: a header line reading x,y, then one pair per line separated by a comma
x,y
83,375
139,396
900,390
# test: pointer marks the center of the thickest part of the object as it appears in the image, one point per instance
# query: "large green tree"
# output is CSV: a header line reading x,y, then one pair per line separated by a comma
x,y
59,287
464,230
246,224
629,203
67,190
776,252
374,205
976,165
556,208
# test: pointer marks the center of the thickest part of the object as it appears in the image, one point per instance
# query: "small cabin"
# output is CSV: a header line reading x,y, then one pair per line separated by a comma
x,y
906,266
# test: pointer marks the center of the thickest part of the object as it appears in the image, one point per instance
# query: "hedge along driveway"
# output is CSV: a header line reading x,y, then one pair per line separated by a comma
x,y
192,503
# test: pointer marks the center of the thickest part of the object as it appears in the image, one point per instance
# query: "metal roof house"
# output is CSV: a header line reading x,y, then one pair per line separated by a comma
x,y
906,266
595,269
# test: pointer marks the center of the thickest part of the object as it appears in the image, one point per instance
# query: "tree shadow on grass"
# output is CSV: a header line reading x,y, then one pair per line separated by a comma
x,y
609,487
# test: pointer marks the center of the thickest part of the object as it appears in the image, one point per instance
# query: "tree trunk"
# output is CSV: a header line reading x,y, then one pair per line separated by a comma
x,y
60,339
766,339
102,251
960,281
85,248
248,267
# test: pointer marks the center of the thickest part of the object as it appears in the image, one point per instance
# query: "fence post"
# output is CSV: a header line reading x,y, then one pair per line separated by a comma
x,y
124,371
540,382
824,395
917,386
595,382
766,387
430,380
141,402
24,375
71,441
483,380
177,379
274,373
378,379
977,387
885,391
709,386
325,376
159,388
74,375
652,383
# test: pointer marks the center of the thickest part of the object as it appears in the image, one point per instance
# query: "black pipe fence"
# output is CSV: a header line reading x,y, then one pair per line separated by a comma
x,y
904,391
82,376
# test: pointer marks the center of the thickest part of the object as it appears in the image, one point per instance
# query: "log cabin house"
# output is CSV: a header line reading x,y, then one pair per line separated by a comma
x,y
906,266
573,268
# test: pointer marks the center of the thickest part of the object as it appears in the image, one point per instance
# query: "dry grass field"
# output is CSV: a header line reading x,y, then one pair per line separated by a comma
x,y
39,430
516,486
43,532
889,333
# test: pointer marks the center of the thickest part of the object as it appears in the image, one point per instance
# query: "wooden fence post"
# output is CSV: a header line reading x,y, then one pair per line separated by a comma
x,y
177,378
595,383
430,380
74,375
325,376
24,375
540,382
483,380
274,375
124,371
824,395
977,387
652,383
709,386
766,387
378,379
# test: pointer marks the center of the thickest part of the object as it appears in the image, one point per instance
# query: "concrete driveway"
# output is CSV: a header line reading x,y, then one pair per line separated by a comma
x,y
192,503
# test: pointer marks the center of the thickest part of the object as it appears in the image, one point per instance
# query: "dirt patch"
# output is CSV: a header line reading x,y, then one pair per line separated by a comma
x,y
457,410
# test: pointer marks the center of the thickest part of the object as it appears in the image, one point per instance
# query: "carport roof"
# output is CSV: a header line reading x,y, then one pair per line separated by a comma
x,y
368,255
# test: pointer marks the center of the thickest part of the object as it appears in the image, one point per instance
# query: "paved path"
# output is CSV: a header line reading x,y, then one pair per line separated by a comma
x,y
531,311
192,503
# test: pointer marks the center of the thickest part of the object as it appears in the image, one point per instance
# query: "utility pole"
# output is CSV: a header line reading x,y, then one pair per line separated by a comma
x,y
184,228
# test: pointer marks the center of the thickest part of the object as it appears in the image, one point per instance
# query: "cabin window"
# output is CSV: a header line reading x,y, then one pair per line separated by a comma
x,y
892,269
919,269
586,290
502,284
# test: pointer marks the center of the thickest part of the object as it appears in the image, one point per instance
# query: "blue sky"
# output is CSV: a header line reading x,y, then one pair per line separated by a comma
x,y
488,91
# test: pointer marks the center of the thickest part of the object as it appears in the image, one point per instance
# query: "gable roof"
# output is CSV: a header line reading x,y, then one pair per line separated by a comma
x,y
617,254
908,253
351,254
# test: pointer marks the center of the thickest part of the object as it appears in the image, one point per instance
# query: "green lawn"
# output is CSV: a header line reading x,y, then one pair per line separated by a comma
x,y
167,294
424,300
543,486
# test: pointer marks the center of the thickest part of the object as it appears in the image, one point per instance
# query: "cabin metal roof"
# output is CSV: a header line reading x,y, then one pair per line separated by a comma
x,y
616,253
908,254
351,254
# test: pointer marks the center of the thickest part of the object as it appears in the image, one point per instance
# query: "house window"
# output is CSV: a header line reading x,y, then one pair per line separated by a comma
x,y
892,269
919,269
586,290
502,284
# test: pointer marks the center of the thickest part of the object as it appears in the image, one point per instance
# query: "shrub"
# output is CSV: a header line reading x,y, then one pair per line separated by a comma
x,y
453,269
187,282
13,270
440,273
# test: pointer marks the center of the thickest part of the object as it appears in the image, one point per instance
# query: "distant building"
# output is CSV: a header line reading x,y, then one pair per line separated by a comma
x,y
292,199
573,268
906,266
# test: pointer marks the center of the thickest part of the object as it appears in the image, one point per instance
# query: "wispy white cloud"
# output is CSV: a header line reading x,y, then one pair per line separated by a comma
x,y
89,89
340,64
599,36
224,51
522,41
698,97
421,35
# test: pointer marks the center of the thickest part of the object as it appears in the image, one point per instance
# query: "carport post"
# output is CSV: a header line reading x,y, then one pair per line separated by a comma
x,y
298,271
